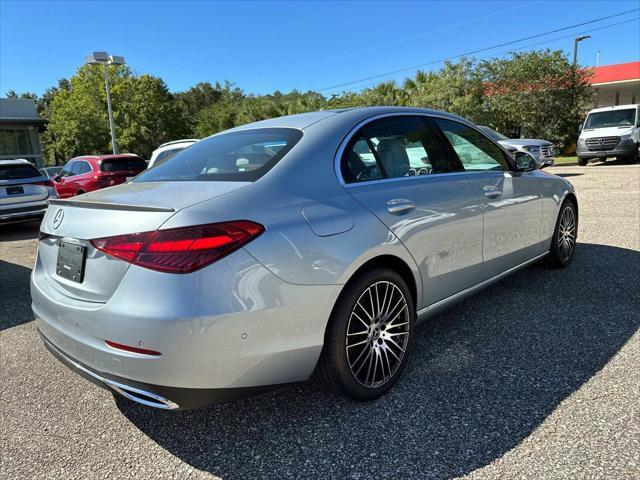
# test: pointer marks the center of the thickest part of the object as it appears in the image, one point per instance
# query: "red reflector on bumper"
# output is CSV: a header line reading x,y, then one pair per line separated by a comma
x,y
127,348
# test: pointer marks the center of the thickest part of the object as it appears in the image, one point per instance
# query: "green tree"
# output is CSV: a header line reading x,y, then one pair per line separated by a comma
x,y
145,114
539,93
201,96
455,88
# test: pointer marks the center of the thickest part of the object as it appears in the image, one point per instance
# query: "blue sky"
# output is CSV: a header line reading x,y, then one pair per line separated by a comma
x,y
264,46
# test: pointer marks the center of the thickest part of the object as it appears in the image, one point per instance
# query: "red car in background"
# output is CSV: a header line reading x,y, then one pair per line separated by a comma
x,y
93,172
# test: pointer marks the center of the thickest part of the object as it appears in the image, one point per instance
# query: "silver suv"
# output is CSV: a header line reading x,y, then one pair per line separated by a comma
x,y
542,150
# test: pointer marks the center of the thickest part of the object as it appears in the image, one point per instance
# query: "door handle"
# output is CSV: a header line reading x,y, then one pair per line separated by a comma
x,y
491,192
398,206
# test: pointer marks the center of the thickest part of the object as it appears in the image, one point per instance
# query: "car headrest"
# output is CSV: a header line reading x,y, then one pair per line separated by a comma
x,y
394,157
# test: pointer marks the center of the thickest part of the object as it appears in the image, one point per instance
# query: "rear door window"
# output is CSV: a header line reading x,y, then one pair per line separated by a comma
x,y
396,147
17,172
242,156
122,164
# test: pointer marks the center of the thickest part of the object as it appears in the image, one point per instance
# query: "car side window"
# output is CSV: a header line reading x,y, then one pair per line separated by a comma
x,y
360,163
67,170
475,151
83,167
395,147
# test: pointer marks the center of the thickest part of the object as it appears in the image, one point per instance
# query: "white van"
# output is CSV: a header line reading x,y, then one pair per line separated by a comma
x,y
610,132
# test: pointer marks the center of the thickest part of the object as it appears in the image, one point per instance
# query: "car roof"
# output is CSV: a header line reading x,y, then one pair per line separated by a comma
x,y
17,161
106,157
303,121
175,142
615,107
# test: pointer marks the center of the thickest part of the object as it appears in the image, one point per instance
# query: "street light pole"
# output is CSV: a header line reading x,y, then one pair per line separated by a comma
x,y
575,47
114,147
104,59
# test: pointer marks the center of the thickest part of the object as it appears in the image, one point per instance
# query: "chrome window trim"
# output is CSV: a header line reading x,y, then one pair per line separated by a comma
x,y
345,141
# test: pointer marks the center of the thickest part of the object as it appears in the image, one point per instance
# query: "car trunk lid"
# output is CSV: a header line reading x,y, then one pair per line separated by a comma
x,y
128,208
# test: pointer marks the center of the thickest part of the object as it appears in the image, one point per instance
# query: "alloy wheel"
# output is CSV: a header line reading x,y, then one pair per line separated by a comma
x,y
567,233
377,334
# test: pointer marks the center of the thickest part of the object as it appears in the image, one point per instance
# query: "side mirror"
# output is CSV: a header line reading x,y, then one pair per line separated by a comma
x,y
525,161
57,178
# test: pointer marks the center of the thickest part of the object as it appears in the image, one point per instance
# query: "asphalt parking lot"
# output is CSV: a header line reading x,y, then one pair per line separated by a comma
x,y
536,377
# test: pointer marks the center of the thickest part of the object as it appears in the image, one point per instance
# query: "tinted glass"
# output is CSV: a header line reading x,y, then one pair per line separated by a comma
x,y
83,167
242,156
360,164
17,172
53,171
612,118
75,168
493,134
395,147
166,155
120,164
67,170
475,151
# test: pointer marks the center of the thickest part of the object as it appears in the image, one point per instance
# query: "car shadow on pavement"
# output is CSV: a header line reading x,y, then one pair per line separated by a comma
x,y
481,378
15,297
11,232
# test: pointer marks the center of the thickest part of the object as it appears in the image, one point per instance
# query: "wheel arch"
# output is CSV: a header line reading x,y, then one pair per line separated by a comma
x,y
572,196
391,262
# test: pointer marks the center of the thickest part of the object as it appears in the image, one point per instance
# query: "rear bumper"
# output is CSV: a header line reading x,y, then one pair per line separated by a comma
x,y
622,149
229,329
157,396
22,212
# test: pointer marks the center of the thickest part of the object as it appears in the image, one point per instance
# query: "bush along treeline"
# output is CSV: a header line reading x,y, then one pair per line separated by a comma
x,y
538,94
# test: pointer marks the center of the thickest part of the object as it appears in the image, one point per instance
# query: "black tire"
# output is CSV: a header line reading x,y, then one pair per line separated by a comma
x,y
335,369
557,257
583,161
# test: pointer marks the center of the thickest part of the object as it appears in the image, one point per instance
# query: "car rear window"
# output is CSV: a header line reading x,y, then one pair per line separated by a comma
x,y
119,164
242,156
166,155
17,172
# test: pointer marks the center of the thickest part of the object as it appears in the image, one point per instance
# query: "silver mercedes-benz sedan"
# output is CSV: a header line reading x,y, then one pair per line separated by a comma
x,y
297,247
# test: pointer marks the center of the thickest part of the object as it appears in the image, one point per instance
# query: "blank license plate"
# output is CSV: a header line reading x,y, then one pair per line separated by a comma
x,y
70,263
15,190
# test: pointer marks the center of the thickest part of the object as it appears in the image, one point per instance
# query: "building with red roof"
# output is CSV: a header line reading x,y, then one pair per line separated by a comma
x,y
617,84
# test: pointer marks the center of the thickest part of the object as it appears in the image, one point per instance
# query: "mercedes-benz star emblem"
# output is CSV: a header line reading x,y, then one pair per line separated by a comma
x,y
57,220
601,141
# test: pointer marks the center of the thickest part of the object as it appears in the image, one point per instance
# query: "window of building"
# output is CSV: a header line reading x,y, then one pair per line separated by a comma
x,y
15,142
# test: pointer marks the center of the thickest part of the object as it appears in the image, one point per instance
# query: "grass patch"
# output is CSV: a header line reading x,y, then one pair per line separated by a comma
x,y
572,160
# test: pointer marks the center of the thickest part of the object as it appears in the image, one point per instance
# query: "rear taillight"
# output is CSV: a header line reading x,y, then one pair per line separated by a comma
x,y
104,182
180,250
